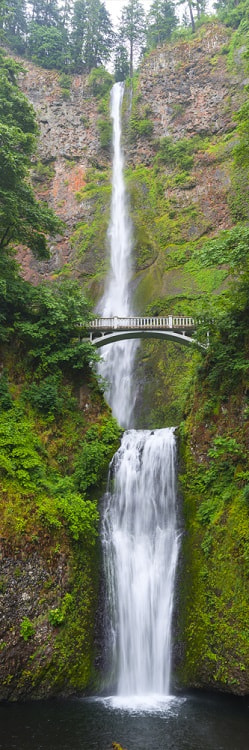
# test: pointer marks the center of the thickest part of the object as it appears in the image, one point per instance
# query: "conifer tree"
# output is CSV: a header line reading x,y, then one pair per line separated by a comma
x,y
121,62
23,219
161,21
92,34
13,23
132,28
45,12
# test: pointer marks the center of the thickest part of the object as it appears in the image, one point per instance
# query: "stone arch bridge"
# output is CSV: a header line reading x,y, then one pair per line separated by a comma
x,y
179,329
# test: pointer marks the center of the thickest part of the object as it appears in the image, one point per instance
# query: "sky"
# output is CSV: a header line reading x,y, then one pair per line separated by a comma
x,y
115,8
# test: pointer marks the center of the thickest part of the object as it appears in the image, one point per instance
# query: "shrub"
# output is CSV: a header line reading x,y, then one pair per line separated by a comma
x,y
6,401
44,396
105,132
57,615
27,629
100,81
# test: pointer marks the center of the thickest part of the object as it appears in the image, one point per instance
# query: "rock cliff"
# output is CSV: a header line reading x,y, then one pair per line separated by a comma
x,y
179,138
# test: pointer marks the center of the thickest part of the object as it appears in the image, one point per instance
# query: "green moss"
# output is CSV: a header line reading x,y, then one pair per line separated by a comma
x,y
214,588
89,237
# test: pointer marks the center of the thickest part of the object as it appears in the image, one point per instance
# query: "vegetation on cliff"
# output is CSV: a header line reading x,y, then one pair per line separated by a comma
x,y
214,437
56,441
188,189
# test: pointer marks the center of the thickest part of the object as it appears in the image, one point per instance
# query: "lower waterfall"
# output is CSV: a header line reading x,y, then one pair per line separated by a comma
x,y
140,549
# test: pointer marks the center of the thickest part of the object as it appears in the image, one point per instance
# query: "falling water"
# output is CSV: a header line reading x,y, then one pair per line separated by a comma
x,y
118,359
139,525
140,545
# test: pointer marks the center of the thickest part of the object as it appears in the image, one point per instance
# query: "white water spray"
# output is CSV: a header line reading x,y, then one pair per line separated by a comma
x,y
140,547
139,526
118,359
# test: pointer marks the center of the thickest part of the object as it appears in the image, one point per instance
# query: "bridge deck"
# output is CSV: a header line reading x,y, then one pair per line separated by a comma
x,y
170,322
104,331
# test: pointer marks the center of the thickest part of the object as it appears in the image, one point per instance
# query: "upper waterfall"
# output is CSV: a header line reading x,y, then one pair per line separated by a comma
x,y
118,360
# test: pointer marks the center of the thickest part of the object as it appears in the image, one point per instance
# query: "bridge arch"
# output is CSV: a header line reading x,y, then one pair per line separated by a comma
x,y
177,338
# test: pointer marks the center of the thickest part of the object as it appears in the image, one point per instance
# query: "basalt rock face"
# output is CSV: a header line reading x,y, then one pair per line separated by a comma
x,y
68,146
186,89
189,88
186,96
28,580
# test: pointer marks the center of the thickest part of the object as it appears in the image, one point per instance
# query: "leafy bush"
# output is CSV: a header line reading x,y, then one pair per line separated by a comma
x,y
142,127
50,332
6,401
65,81
27,629
20,449
230,247
57,615
92,460
44,396
105,131
176,153
100,82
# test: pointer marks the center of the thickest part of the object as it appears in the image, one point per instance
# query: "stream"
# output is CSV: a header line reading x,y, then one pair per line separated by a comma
x,y
196,722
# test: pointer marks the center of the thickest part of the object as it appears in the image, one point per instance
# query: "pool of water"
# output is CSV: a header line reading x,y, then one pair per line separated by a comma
x,y
192,722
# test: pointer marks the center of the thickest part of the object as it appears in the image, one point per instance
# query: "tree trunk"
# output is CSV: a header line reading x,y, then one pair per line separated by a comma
x,y
191,16
131,58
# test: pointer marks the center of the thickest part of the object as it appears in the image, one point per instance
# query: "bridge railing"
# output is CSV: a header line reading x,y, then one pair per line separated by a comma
x,y
171,321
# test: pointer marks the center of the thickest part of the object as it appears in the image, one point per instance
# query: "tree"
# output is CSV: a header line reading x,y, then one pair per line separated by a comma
x,y
161,22
13,23
45,12
49,46
92,35
190,4
23,219
121,62
132,28
50,332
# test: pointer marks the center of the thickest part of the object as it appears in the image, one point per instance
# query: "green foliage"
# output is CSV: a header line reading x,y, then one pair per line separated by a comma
x,y
132,29
105,131
57,615
91,36
230,247
121,62
23,219
161,22
100,82
214,592
65,81
50,332
27,629
42,172
233,14
89,238
142,127
176,153
93,459
20,450
6,401
45,396
47,46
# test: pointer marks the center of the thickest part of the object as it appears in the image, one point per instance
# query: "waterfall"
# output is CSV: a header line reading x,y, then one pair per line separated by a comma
x,y
118,359
139,521
140,548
